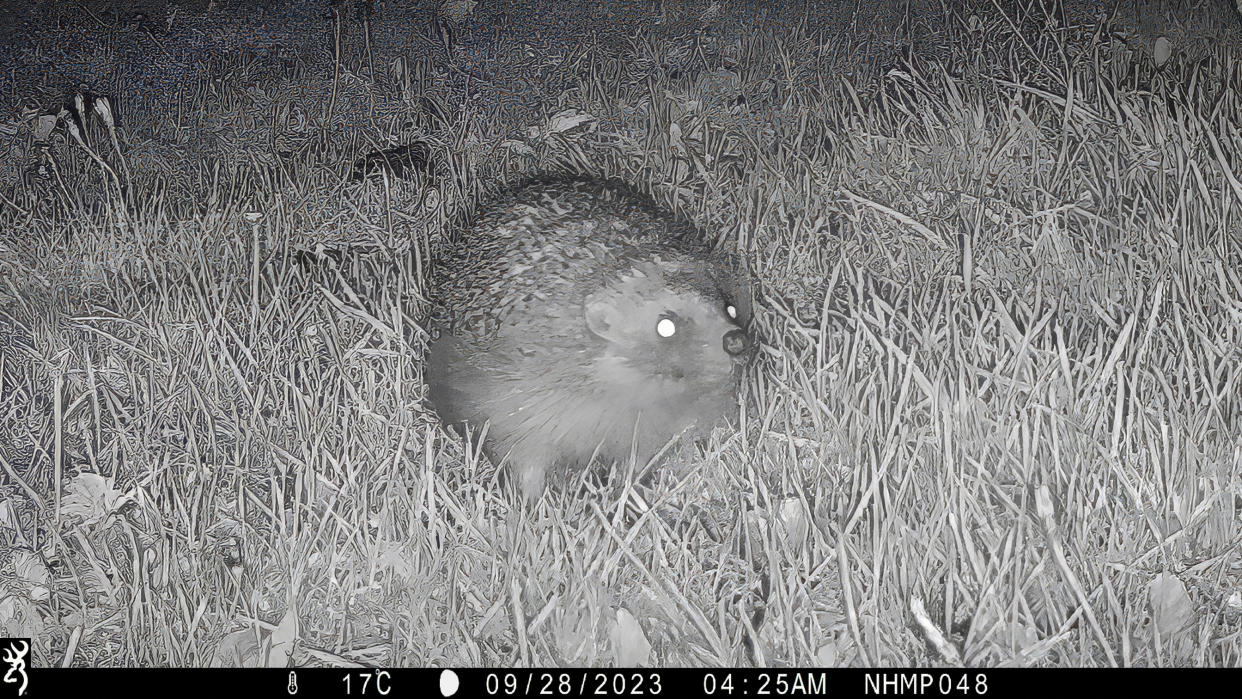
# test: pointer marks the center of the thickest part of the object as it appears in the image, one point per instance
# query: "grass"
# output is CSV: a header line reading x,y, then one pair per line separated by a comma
x,y
992,422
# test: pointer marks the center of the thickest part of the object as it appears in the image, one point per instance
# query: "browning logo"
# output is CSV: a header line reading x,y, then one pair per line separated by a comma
x,y
13,652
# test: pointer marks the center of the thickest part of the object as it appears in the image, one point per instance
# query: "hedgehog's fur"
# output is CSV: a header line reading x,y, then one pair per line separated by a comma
x,y
545,320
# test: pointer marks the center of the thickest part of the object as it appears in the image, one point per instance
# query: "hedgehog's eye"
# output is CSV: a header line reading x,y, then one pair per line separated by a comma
x,y
731,310
666,327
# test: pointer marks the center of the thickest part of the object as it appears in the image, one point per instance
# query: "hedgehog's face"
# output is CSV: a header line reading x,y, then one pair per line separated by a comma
x,y
671,323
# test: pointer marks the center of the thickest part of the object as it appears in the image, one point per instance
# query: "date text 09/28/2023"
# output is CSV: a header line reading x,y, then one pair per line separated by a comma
x,y
657,683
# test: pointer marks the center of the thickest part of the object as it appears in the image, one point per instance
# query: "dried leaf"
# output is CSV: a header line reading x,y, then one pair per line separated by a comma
x,y
29,568
1025,635
629,643
569,120
675,141
1170,604
89,498
238,649
393,558
575,636
792,515
1163,50
20,618
33,572
283,640
1234,603
8,520
103,107
44,127
826,655
8,611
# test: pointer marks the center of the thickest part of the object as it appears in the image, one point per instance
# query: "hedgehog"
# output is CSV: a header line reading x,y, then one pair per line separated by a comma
x,y
575,318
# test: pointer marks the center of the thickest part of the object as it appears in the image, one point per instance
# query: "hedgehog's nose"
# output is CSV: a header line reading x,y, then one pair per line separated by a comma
x,y
736,343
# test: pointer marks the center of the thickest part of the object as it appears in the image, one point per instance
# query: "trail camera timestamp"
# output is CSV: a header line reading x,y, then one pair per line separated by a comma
x,y
761,684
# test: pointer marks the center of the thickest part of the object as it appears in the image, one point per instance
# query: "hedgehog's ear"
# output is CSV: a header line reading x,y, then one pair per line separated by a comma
x,y
602,316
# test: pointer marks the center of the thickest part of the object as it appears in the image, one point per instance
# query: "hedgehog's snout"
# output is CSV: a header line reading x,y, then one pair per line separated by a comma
x,y
737,344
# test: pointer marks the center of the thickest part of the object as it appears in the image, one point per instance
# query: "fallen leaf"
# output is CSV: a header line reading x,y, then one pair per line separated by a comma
x,y
826,656
238,649
1025,635
1170,604
792,516
29,568
1234,603
90,497
571,120
629,643
1163,50
8,520
283,640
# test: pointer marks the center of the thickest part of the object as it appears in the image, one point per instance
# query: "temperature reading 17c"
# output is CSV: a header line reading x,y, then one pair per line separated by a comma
x,y
363,684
